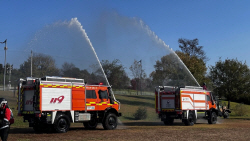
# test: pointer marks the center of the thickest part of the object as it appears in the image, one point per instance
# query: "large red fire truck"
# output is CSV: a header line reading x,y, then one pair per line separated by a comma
x,y
184,103
55,102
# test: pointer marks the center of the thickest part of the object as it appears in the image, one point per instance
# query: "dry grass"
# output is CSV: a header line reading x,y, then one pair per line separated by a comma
x,y
231,129
130,129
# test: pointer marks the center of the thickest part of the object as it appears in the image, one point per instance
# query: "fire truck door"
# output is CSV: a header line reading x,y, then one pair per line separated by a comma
x,y
208,102
103,99
91,99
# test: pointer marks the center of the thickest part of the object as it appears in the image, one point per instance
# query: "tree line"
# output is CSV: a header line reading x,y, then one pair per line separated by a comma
x,y
229,78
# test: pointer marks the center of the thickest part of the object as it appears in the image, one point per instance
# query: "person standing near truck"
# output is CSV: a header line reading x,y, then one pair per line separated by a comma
x,y
5,115
204,86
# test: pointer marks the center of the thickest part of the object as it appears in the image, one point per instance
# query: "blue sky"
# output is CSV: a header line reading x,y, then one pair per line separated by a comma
x,y
222,27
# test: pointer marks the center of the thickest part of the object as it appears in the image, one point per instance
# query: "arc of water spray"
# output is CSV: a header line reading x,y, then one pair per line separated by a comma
x,y
151,33
88,40
184,66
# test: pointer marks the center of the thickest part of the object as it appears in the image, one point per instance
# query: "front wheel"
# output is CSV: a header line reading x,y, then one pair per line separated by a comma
x,y
110,122
62,124
212,119
191,119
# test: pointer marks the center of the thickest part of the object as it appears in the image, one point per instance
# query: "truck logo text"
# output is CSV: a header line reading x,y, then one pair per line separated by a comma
x,y
59,99
29,102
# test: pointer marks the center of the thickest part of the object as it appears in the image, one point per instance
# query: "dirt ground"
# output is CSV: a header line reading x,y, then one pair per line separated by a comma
x,y
226,129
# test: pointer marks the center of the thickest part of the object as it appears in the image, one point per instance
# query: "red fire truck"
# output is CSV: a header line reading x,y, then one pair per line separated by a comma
x,y
184,103
55,102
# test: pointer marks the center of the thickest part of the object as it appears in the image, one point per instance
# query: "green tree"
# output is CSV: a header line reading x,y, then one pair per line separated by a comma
x,y
70,70
138,73
195,65
231,78
192,48
194,57
42,65
115,73
1,68
170,71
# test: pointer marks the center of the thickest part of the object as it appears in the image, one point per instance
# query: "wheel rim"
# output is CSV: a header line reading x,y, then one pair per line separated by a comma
x,y
214,119
190,119
112,121
62,124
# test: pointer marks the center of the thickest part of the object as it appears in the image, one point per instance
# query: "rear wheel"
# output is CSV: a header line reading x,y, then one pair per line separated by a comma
x,y
110,122
212,118
169,121
191,119
91,124
61,124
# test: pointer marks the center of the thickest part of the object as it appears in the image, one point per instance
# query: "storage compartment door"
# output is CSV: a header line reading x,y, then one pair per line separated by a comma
x,y
56,99
28,100
168,101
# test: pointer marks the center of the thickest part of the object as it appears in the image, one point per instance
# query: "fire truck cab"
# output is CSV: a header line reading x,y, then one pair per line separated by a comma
x,y
184,103
55,102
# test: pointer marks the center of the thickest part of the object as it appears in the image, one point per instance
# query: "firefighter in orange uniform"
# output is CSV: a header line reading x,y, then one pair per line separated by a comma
x,y
5,115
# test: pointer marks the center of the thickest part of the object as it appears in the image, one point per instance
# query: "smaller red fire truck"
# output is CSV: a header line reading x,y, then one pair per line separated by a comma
x,y
55,102
184,103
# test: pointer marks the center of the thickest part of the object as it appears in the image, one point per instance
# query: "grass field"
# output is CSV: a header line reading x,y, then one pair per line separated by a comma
x,y
129,105
234,128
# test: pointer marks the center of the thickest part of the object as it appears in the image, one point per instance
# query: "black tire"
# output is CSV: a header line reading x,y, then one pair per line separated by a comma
x,y
212,119
110,122
226,114
191,119
62,124
91,125
169,121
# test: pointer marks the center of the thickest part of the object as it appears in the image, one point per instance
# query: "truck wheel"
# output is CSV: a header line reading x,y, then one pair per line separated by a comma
x,y
226,114
110,122
91,124
61,124
212,119
169,121
191,119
